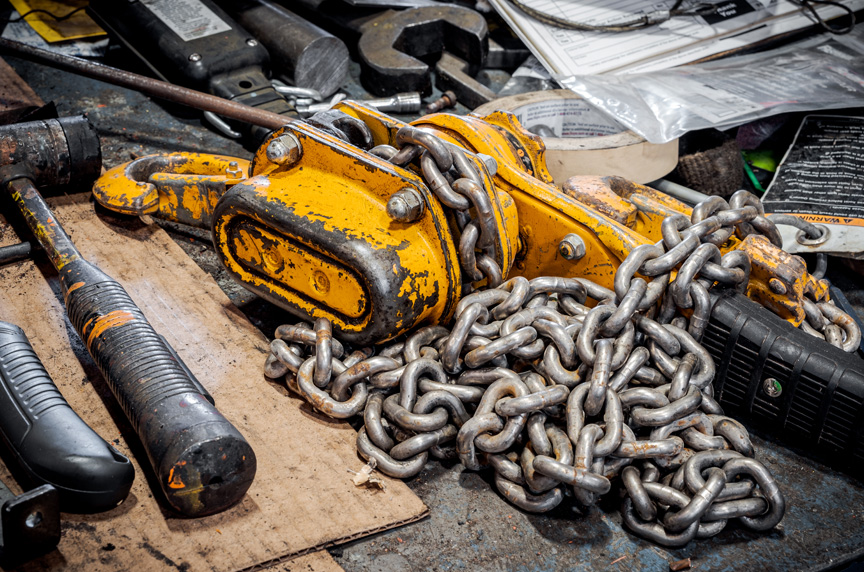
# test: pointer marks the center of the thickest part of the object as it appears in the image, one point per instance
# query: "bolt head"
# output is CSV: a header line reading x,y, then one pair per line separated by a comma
x,y
196,57
284,150
251,42
772,387
572,247
776,285
490,162
406,206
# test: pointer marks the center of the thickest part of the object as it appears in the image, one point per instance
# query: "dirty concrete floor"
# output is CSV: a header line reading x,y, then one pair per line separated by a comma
x,y
470,526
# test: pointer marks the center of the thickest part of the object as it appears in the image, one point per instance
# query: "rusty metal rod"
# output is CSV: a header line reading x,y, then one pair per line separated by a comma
x,y
147,85
15,252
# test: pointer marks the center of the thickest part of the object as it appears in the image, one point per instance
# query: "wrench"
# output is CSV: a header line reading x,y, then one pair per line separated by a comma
x,y
394,46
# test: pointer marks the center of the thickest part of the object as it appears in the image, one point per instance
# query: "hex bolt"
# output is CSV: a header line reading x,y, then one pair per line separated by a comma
x,y
284,150
406,205
196,57
571,247
234,171
490,162
447,99
251,42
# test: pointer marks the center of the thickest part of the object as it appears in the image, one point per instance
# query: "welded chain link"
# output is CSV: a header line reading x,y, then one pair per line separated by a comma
x,y
453,177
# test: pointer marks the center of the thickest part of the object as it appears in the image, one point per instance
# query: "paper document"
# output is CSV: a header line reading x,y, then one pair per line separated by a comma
x,y
682,39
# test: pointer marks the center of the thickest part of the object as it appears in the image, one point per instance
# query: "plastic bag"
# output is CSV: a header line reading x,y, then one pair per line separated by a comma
x,y
825,72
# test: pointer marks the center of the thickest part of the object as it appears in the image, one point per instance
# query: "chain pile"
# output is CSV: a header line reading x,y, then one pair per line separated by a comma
x,y
557,397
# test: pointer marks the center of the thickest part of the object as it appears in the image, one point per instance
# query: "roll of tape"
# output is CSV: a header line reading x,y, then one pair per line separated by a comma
x,y
582,141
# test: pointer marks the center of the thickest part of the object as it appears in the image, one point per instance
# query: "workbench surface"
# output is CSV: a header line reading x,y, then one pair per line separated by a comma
x,y
471,527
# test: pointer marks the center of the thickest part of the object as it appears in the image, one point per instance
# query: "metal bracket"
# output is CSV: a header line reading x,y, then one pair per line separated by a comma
x,y
29,523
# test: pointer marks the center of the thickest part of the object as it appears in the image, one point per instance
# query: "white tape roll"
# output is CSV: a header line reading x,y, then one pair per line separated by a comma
x,y
582,141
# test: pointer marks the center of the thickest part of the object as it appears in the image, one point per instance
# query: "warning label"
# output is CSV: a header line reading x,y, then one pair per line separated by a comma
x,y
820,179
189,19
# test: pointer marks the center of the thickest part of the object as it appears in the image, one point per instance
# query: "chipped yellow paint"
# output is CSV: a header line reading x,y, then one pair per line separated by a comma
x,y
110,320
342,192
549,213
49,233
540,206
183,187
771,263
312,273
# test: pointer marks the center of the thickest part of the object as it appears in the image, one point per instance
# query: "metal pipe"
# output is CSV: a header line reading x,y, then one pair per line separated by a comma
x,y
298,49
147,85
15,252
680,192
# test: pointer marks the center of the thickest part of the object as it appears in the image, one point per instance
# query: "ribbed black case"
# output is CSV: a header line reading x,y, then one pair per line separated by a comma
x,y
817,407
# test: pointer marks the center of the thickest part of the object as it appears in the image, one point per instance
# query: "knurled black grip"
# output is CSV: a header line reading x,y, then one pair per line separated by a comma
x,y
49,443
203,463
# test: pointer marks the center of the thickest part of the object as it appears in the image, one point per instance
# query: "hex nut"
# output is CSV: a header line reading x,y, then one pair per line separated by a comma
x,y
572,247
406,205
234,171
284,150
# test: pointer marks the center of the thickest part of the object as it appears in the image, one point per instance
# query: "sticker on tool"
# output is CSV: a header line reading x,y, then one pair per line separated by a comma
x,y
189,19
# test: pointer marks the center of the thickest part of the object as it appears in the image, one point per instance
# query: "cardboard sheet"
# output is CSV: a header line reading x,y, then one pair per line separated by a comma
x,y
14,91
319,561
302,497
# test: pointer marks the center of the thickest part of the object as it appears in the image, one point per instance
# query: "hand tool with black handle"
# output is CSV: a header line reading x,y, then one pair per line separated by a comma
x,y
203,464
47,440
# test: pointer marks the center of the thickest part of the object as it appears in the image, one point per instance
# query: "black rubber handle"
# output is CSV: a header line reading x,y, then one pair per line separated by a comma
x,y
46,438
204,465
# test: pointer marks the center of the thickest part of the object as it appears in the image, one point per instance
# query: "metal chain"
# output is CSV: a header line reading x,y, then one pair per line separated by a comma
x,y
557,397
456,181
538,386
454,178
823,319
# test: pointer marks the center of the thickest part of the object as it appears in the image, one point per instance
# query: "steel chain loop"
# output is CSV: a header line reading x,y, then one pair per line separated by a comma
x,y
643,412
557,396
